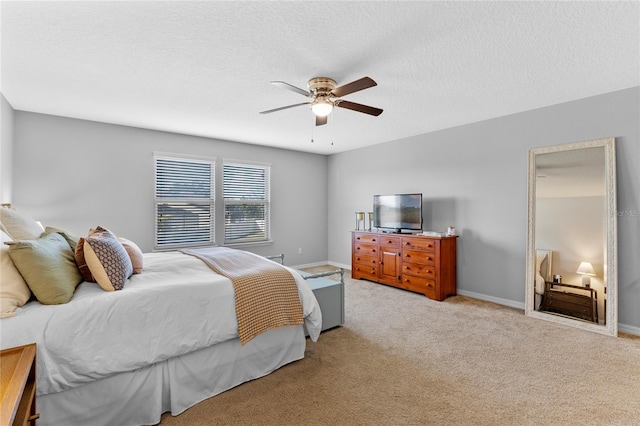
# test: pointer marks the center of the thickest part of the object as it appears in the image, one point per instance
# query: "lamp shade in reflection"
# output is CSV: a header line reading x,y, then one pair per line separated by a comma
x,y
586,270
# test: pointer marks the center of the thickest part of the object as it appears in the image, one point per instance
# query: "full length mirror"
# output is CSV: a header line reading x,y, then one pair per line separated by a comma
x,y
571,239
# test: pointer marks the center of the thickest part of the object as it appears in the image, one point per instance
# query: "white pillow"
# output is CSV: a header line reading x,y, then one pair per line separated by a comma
x,y
14,291
18,225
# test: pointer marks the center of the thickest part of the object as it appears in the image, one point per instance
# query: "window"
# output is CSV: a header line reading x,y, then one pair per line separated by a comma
x,y
246,202
184,201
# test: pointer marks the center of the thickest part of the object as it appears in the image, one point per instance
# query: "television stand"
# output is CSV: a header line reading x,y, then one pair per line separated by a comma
x,y
416,263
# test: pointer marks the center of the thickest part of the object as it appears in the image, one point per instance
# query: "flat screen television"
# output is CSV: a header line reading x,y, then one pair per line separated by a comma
x,y
397,212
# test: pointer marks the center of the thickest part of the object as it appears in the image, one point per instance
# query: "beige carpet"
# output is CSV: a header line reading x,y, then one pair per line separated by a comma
x,y
401,359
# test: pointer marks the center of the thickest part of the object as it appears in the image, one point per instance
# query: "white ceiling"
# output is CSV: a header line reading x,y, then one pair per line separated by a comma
x,y
573,173
203,68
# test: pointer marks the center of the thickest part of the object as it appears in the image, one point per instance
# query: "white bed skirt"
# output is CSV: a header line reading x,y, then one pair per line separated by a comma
x,y
140,397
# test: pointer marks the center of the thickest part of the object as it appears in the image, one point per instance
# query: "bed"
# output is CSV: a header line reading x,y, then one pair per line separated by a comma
x,y
166,341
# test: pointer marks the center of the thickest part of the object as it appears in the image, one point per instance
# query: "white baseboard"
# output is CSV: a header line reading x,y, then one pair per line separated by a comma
x,y
629,329
340,265
309,265
498,300
312,265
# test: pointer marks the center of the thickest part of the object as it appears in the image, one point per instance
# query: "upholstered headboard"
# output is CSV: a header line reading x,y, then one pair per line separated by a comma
x,y
544,259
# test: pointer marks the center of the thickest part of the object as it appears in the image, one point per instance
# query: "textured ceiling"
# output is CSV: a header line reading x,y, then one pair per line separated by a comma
x,y
203,68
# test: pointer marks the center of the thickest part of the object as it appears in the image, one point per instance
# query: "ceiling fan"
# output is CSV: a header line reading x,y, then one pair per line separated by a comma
x,y
325,96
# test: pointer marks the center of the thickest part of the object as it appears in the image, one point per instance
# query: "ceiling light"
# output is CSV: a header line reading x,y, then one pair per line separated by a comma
x,y
322,107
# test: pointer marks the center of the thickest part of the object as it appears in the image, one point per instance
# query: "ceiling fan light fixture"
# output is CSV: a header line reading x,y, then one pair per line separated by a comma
x,y
321,107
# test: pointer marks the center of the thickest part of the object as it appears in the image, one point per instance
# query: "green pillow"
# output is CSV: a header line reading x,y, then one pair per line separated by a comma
x,y
71,239
48,266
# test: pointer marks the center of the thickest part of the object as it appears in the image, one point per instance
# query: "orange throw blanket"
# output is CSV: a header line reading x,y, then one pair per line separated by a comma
x,y
266,293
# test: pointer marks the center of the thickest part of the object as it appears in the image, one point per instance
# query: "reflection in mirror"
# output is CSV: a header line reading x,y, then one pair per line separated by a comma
x,y
571,262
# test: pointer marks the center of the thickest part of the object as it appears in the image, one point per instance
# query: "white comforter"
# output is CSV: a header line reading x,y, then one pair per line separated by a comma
x,y
175,306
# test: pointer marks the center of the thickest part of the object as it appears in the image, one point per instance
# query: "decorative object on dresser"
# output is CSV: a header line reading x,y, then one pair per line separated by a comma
x,y
359,218
18,385
417,263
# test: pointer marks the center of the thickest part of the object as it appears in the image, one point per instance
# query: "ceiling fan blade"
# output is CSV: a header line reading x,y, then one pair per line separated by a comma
x,y
284,107
320,121
359,107
354,86
290,87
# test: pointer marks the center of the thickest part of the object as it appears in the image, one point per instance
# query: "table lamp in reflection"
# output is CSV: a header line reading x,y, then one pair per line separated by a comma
x,y
586,270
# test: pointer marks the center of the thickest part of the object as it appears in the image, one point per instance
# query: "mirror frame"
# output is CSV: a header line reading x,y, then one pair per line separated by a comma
x,y
611,232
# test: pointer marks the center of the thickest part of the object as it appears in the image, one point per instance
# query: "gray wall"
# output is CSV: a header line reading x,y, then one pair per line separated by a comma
x,y
475,178
6,149
77,174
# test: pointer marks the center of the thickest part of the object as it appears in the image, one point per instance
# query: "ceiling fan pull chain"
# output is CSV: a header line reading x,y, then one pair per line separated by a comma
x,y
313,125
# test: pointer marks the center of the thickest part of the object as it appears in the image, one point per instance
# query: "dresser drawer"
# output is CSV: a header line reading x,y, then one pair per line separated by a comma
x,y
364,260
390,241
367,271
425,286
360,249
419,244
417,269
570,304
365,238
415,256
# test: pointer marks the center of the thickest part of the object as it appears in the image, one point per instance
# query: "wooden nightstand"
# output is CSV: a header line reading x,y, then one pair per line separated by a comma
x,y
18,386
574,304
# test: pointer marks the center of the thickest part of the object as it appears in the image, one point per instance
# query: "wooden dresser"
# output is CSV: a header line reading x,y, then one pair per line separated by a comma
x,y
18,386
417,263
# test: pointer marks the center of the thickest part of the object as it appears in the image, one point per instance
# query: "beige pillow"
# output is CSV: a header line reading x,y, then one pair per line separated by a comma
x,y
135,254
107,259
18,225
14,291
48,266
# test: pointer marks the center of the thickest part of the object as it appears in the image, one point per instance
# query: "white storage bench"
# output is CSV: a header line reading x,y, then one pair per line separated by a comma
x,y
330,296
329,293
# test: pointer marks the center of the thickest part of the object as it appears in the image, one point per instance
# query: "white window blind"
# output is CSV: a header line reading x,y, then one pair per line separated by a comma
x,y
246,202
184,202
